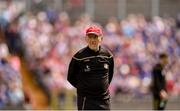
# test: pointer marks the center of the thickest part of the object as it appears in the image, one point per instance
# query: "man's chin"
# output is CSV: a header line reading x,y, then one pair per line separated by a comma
x,y
93,48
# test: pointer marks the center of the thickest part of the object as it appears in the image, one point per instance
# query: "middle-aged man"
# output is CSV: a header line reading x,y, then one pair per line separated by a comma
x,y
91,71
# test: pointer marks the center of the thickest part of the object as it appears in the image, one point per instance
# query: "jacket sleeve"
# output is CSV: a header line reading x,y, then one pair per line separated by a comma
x,y
73,72
111,69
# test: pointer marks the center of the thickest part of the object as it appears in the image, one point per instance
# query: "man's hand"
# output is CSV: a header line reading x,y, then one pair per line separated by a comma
x,y
163,95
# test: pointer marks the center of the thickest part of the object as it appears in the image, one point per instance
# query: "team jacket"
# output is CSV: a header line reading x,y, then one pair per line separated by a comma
x,y
91,72
158,80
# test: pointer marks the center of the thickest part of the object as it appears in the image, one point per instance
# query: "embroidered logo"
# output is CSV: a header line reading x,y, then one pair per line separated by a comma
x,y
87,69
105,66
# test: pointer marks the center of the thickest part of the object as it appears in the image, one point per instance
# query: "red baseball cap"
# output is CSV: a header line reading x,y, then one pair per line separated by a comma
x,y
94,30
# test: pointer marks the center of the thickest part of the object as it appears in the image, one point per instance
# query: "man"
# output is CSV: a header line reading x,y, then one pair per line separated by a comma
x,y
160,95
91,71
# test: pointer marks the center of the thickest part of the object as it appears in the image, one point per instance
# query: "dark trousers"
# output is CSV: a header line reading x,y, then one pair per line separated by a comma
x,y
159,104
85,103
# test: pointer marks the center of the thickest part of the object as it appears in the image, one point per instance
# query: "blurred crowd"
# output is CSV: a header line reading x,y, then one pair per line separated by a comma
x,y
48,40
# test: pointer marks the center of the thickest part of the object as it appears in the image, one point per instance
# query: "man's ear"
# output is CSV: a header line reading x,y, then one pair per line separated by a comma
x,y
101,38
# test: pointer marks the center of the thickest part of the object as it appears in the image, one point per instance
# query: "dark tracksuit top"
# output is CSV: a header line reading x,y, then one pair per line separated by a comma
x,y
158,84
158,80
90,73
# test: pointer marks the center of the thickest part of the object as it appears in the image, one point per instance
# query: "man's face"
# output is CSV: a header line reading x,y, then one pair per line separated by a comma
x,y
165,60
93,41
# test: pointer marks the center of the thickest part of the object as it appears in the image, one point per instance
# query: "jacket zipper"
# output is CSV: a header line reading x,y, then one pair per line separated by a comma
x,y
84,101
